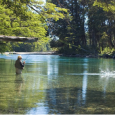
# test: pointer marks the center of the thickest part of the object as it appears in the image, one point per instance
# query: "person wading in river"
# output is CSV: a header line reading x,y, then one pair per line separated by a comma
x,y
19,65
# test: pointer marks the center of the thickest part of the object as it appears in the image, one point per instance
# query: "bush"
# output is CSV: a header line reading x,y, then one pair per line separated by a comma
x,y
108,51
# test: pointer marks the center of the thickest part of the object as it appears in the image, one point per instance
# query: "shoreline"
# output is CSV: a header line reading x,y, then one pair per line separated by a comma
x,y
31,53
63,55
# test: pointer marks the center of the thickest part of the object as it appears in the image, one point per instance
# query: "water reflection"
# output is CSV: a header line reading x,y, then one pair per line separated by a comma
x,y
18,83
104,82
84,86
52,65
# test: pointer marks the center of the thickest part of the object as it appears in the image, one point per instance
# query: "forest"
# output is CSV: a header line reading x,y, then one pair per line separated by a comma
x,y
67,26
91,29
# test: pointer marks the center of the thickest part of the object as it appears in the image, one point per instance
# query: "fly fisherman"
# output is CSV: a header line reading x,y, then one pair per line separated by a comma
x,y
19,65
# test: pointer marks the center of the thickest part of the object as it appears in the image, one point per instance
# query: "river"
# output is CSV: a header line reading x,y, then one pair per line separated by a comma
x,y
50,84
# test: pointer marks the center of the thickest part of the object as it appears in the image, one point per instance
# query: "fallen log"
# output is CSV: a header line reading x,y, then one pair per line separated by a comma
x,y
17,39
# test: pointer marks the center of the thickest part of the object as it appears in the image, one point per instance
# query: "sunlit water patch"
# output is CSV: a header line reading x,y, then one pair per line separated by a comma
x,y
103,73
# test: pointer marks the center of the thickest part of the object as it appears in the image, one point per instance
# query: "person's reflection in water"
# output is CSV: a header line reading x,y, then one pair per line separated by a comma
x,y
18,83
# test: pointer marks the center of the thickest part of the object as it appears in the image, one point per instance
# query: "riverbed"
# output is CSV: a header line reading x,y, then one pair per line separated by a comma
x,y
50,84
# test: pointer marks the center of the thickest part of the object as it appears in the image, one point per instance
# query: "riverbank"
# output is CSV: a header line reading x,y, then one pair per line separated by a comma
x,y
31,53
79,55
55,53
90,56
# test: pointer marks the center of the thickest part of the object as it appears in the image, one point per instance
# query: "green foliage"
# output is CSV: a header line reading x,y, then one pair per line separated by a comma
x,y
91,26
5,47
108,50
31,47
88,24
51,11
31,27
107,5
28,18
70,31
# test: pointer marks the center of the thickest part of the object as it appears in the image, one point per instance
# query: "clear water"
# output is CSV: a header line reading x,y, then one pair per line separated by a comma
x,y
51,84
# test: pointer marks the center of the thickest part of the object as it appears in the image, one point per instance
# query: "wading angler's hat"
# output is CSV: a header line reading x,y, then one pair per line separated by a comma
x,y
20,57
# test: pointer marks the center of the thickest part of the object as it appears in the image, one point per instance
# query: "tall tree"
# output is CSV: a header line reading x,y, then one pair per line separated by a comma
x,y
73,34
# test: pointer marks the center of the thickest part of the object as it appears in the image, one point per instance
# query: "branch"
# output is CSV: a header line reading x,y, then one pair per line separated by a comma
x,y
36,11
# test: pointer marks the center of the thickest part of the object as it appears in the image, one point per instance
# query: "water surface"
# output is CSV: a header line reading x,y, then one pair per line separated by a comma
x,y
51,84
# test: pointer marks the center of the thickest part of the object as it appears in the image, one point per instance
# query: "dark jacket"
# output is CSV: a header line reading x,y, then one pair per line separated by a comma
x,y
19,64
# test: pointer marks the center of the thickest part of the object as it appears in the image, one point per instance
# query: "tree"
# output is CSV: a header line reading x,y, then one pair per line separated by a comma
x,y
109,7
71,32
27,18
87,20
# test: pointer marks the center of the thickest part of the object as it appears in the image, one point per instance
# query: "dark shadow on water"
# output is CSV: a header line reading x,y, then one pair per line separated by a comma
x,y
70,101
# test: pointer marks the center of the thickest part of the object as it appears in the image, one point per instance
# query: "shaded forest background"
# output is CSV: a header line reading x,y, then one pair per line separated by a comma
x,y
91,29
68,26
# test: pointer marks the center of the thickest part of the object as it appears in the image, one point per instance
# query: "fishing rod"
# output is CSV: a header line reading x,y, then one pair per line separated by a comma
x,y
26,57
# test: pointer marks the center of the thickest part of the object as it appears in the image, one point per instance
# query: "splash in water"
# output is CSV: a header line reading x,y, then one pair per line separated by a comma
x,y
107,73
103,73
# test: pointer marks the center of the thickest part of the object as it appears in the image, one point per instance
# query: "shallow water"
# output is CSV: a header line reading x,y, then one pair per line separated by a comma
x,y
51,84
